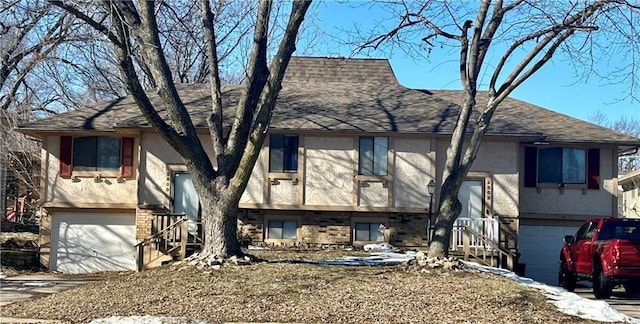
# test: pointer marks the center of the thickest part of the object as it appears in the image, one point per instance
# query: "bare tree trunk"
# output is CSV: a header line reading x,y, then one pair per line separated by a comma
x,y
449,210
220,216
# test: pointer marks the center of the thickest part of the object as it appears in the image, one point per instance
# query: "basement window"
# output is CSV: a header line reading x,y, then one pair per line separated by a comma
x,y
282,229
368,232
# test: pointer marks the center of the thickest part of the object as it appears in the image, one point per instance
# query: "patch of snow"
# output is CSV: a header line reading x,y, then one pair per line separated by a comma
x,y
379,247
2,276
38,284
253,247
379,258
567,302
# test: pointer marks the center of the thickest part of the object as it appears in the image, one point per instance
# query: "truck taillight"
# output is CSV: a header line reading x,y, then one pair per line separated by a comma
x,y
616,252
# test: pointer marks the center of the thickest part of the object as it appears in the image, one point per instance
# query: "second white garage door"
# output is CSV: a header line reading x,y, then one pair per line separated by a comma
x,y
540,250
83,242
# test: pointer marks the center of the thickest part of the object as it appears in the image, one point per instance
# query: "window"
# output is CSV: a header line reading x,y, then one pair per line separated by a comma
x,y
283,153
373,155
96,154
557,165
620,230
369,232
562,165
282,229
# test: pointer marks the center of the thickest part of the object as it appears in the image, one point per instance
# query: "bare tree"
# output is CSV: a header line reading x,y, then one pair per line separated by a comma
x,y
236,147
29,36
630,126
527,34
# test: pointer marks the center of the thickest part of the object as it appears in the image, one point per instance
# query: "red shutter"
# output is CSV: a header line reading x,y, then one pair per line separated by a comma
x,y
593,169
66,144
126,158
530,166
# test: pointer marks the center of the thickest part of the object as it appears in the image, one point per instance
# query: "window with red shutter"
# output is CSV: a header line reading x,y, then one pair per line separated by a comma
x,y
593,169
126,160
66,145
93,155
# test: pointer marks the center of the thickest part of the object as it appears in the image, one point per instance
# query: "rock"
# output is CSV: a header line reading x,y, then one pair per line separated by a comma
x,y
421,258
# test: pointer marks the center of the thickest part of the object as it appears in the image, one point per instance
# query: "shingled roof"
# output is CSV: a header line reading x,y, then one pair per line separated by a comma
x,y
347,95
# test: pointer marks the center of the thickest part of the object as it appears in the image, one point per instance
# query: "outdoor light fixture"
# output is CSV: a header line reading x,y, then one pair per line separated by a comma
x,y
431,189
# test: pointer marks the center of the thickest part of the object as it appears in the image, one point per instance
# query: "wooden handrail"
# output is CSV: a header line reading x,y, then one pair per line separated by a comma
x,y
509,256
167,234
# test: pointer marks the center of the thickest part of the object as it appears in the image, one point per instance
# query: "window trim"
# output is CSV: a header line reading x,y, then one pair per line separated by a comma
x,y
374,219
127,161
283,218
373,176
592,169
284,173
562,166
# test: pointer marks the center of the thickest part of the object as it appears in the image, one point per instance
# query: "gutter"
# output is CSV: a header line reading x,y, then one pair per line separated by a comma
x,y
629,152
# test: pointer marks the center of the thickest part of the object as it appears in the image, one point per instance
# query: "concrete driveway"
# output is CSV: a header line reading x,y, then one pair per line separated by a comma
x,y
30,286
624,303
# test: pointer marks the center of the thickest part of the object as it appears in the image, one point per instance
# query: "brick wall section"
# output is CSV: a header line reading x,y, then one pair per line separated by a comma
x,y
322,229
144,216
322,69
45,238
508,232
408,229
326,228
251,225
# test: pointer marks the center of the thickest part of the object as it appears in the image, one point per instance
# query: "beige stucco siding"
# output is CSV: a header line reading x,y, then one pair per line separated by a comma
x,y
412,172
373,194
157,160
329,168
82,190
282,192
497,161
253,193
571,201
500,161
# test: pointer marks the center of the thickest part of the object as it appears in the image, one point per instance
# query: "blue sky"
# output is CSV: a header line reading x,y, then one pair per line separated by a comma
x,y
554,87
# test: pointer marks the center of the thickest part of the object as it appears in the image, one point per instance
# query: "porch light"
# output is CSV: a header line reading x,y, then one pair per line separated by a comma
x,y
431,187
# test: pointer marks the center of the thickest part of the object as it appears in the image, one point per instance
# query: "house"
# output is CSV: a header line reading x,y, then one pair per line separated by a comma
x,y
630,196
19,172
349,148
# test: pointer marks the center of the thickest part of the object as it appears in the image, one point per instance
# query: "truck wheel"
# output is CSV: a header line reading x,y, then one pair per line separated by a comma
x,y
602,285
566,279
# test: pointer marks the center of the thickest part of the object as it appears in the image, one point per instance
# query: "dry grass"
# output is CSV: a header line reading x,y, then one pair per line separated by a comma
x,y
297,292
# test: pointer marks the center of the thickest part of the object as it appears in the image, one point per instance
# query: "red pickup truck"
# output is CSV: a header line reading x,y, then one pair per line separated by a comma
x,y
605,251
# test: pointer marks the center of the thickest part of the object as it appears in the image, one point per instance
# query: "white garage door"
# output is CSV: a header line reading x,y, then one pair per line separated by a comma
x,y
83,243
540,250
